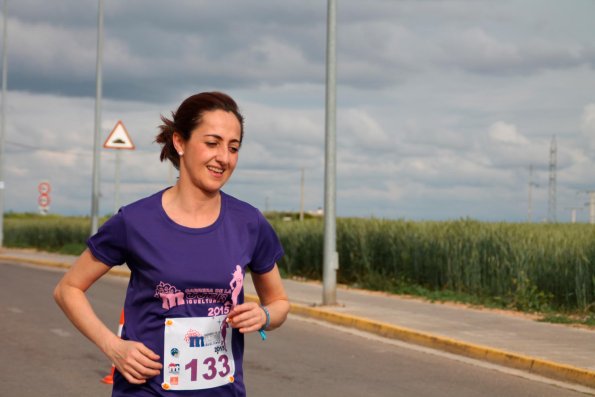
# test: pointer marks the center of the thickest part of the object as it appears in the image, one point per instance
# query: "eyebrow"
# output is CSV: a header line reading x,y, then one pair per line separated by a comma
x,y
218,137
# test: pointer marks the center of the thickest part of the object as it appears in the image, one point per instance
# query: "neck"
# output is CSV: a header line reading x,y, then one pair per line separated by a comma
x,y
191,206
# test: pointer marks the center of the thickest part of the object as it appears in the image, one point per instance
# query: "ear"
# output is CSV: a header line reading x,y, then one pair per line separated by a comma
x,y
178,142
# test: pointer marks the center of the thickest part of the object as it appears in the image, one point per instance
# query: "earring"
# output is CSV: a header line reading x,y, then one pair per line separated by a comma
x,y
181,153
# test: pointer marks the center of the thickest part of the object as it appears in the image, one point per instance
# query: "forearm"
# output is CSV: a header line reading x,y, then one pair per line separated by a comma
x,y
76,306
271,293
278,310
134,360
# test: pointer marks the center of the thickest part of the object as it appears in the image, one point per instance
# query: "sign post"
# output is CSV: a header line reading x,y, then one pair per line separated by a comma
x,y
120,140
44,188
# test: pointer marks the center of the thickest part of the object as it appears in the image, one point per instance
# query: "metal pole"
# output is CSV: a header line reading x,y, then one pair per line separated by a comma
x,y
117,196
531,184
96,142
302,196
331,258
592,208
552,206
3,110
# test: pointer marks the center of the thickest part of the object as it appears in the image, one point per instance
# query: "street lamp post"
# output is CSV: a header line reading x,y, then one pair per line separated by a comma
x,y
331,258
3,115
96,145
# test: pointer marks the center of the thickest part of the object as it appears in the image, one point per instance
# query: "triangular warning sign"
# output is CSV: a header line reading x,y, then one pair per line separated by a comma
x,y
119,138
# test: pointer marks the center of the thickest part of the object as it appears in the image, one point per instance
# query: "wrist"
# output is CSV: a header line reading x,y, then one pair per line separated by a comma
x,y
266,323
267,315
108,344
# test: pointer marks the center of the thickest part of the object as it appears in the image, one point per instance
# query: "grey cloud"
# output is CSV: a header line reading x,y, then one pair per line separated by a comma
x,y
153,51
478,51
420,84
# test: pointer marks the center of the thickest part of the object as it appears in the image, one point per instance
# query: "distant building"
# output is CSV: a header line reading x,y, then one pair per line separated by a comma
x,y
318,212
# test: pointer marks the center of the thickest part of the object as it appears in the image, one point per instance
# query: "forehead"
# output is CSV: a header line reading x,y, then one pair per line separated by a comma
x,y
220,123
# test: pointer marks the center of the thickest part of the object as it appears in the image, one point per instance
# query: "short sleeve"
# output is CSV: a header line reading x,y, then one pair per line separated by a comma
x,y
109,243
268,249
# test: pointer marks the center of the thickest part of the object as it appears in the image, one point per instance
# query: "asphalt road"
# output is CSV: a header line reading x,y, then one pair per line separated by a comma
x,y
43,355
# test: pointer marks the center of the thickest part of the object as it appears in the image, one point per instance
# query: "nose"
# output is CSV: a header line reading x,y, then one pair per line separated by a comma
x,y
223,154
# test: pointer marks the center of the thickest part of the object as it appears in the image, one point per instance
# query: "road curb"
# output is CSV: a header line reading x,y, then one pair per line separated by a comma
x,y
35,261
57,264
537,366
550,369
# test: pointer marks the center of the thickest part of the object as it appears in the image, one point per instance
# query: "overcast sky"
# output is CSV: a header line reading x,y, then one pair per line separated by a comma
x,y
442,105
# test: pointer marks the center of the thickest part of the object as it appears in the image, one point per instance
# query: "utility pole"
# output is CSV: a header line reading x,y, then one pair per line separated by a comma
x,y
551,210
591,207
531,186
96,142
3,115
331,257
302,196
573,211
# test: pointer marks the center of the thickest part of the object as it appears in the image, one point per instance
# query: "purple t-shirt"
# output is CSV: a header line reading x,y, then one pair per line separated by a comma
x,y
183,281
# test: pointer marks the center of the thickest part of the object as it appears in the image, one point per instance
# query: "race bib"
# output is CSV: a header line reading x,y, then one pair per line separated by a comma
x,y
197,353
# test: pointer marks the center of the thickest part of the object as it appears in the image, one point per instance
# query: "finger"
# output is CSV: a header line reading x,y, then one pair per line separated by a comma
x,y
240,320
246,330
132,375
133,380
150,354
141,371
145,365
144,371
138,364
248,323
153,367
244,307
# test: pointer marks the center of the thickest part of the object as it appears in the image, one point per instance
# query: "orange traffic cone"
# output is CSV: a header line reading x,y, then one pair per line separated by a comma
x,y
109,379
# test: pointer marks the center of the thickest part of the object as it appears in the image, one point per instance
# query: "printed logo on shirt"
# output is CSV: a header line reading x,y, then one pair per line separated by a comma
x,y
221,299
170,295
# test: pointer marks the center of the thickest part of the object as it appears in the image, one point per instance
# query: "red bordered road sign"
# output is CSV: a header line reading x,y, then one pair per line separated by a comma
x,y
44,200
119,138
44,188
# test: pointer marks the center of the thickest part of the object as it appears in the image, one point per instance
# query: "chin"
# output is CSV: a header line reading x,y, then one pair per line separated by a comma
x,y
215,188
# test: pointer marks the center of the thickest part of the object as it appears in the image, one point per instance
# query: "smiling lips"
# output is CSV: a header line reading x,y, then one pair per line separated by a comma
x,y
216,170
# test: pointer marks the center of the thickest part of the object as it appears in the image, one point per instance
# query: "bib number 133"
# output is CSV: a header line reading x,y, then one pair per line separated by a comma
x,y
197,353
213,367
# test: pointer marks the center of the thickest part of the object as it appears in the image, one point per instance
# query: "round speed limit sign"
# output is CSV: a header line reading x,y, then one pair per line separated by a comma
x,y
44,200
44,188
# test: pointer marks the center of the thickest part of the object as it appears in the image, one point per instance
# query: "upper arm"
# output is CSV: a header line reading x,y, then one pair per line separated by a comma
x,y
269,286
84,272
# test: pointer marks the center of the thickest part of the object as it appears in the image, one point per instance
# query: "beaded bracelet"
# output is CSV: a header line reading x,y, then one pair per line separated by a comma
x,y
263,334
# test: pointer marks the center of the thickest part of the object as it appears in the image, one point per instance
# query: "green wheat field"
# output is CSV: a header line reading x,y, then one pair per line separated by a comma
x,y
528,267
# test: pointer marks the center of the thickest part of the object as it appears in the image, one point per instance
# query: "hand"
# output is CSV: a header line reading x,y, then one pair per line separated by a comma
x,y
134,360
248,317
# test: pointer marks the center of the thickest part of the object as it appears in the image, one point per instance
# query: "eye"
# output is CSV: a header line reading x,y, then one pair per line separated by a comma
x,y
234,149
211,144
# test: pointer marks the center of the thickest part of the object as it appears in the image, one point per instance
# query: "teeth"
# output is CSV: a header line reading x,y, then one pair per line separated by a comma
x,y
215,169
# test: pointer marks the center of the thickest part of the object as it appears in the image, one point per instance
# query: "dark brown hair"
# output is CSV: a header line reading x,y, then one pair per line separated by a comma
x,y
188,117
